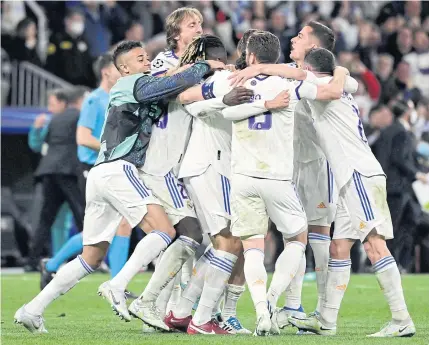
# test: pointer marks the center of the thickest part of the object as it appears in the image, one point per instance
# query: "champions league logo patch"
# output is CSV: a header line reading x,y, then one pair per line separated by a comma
x,y
158,63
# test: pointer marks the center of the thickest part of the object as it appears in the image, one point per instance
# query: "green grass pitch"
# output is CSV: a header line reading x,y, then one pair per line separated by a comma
x,y
89,320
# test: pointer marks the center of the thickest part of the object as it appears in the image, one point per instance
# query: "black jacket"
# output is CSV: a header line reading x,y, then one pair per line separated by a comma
x,y
61,157
69,59
395,150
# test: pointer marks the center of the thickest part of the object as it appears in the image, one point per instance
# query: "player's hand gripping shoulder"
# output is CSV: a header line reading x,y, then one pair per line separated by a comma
x,y
279,102
237,95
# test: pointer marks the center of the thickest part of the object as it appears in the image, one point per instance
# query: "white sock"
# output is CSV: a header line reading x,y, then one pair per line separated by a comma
x,y
389,279
218,273
336,284
187,268
287,265
164,296
174,257
176,292
195,286
232,295
65,279
217,310
320,246
256,278
146,250
294,291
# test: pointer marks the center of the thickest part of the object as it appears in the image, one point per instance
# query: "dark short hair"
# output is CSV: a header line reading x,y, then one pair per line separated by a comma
x,y
241,46
76,92
23,25
399,108
321,59
101,63
123,48
60,94
74,10
265,46
324,35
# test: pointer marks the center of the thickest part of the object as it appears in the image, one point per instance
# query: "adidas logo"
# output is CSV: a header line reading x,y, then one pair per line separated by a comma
x,y
194,271
362,225
341,287
321,205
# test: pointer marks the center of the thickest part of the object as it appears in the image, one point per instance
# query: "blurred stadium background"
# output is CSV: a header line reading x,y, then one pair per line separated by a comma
x,y
47,45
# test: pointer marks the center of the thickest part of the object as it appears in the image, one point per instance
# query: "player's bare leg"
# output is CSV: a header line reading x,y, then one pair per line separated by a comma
x,y
30,315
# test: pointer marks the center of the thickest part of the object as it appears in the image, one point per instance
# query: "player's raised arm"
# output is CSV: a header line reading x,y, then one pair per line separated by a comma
x,y
149,89
281,70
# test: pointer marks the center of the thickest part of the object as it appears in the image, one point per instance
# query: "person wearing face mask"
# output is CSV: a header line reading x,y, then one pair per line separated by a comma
x,y
395,151
68,54
24,46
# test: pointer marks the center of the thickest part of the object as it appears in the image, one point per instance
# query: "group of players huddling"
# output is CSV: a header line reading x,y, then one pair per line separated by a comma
x,y
190,146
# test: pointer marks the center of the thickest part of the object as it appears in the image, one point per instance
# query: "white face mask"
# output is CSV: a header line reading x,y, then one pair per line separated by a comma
x,y
77,28
413,117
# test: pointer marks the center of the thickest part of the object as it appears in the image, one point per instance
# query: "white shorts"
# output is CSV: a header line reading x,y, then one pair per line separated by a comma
x,y
172,194
362,207
113,191
254,200
315,185
210,194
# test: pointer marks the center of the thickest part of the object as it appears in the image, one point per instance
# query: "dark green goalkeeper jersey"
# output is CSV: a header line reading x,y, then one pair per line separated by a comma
x,y
136,102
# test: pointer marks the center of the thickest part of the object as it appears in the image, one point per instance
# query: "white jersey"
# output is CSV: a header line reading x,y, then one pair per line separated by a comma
x,y
168,141
259,141
171,133
342,138
210,142
163,62
306,144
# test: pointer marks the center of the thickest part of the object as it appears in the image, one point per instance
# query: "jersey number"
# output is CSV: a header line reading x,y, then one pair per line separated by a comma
x,y
261,125
360,125
162,123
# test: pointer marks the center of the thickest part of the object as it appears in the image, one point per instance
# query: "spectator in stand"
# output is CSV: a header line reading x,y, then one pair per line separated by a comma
x,y
68,53
134,31
383,71
24,46
369,39
380,117
419,62
402,83
278,26
399,44
96,31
